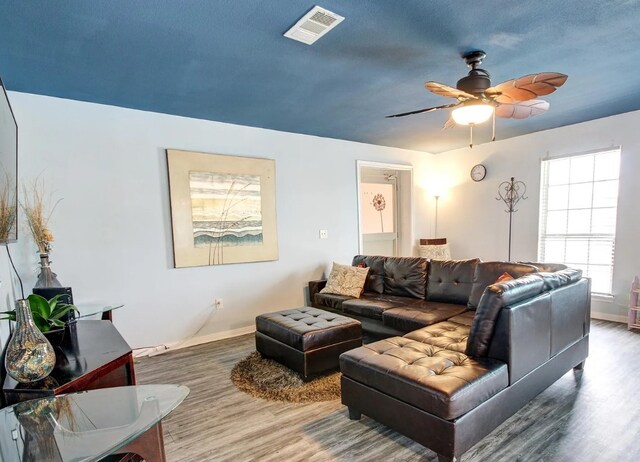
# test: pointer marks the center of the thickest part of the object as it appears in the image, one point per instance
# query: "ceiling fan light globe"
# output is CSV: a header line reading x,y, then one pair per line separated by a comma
x,y
472,114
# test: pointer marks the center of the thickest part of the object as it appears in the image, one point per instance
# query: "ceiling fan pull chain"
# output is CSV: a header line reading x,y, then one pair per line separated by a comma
x,y
494,126
471,136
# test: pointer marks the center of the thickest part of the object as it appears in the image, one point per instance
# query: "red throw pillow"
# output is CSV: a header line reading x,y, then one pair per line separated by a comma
x,y
504,277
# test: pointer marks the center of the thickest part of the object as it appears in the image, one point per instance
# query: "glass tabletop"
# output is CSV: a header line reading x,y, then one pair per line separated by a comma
x,y
84,426
86,310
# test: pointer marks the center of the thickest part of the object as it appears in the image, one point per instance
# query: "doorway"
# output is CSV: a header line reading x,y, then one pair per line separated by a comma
x,y
385,203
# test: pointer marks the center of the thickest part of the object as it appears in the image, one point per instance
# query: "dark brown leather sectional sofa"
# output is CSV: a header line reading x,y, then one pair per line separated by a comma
x,y
462,354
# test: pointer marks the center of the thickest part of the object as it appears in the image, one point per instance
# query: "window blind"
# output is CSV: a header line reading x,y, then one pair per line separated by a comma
x,y
578,210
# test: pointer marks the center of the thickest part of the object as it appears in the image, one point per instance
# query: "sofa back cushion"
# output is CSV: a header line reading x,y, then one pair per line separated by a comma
x,y
375,277
405,276
450,281
546,267
560,278
487,273
496,297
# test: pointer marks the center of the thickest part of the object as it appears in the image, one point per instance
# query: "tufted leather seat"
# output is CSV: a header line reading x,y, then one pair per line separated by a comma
x,y
307,340
440,381
448,335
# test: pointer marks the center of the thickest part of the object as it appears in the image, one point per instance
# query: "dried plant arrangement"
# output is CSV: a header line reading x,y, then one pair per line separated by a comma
x,y
7,209
36,205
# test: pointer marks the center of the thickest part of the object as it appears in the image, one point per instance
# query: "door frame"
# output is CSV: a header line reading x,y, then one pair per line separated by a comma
x,y
405,208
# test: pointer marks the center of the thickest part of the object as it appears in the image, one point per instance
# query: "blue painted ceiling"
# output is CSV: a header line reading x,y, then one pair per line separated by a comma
x,y
227,60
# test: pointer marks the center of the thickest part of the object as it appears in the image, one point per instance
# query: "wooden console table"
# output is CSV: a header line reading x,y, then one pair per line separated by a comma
x,y
92,355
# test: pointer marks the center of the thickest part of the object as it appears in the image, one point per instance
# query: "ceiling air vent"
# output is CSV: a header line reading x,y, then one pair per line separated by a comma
x,y
313,25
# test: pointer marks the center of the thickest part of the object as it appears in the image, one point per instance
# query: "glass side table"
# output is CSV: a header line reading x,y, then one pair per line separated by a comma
x,y
89,425
87,310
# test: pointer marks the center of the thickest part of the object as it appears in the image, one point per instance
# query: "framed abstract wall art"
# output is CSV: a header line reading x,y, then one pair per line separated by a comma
x,y
223,209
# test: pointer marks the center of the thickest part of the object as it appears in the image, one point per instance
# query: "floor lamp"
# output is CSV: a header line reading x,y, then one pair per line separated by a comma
x,y
436,220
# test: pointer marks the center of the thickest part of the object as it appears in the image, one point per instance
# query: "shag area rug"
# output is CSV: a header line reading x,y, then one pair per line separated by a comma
x,y
268,379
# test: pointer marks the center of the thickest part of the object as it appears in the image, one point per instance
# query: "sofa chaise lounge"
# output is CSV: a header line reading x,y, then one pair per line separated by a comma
x,y
466,353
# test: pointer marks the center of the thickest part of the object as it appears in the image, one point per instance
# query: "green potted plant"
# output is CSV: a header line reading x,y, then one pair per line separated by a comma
x,y
47,315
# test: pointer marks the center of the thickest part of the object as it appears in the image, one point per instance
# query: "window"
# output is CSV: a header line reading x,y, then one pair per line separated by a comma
x,y
578,206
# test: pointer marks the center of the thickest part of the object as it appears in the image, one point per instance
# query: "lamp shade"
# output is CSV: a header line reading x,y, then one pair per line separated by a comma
x,y
472,114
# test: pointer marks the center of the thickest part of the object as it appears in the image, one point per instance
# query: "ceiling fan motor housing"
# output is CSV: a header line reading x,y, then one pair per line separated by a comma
x,y
475,83
478,80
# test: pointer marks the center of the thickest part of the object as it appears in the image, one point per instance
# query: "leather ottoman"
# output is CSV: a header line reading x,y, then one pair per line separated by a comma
x,y
306,340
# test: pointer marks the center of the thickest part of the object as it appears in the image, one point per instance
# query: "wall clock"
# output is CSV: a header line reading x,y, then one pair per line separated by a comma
x,y
478,172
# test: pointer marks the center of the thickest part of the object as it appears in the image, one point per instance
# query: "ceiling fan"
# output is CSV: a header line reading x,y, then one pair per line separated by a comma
x,y
477,100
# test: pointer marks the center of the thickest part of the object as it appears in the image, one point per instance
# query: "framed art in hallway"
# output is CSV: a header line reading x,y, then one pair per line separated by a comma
x,y
223,208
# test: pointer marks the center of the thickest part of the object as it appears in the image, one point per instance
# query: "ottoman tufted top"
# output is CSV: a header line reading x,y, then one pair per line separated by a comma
x,y
308,328
437,380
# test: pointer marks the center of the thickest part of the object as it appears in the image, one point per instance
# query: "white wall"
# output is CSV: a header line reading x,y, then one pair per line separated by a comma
x,y
476,224
113,229
6,295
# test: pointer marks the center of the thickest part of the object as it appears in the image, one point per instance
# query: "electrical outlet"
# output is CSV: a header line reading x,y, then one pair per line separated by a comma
x,y
218,303
155,351
324,234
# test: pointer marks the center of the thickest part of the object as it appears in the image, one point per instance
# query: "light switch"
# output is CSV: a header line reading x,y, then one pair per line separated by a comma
x,y
324,234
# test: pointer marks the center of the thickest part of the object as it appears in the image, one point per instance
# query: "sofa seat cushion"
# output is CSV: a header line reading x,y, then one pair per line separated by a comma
x,y
448,335
307,328
372,305
331,301
465,318
442,382
420,314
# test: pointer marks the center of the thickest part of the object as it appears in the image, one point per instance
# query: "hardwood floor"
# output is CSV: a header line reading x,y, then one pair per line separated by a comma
x,y
588,416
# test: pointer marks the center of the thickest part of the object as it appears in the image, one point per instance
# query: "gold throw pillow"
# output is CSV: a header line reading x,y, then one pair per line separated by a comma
x,y
346,280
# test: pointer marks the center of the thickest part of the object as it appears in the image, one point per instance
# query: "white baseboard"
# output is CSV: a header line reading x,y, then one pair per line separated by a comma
x,y
609,317
154,351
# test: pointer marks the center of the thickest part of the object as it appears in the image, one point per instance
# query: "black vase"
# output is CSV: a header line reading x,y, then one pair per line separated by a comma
x,y
46,278
55,336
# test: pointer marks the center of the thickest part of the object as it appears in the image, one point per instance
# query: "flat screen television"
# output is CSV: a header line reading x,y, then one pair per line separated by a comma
x,y
8,170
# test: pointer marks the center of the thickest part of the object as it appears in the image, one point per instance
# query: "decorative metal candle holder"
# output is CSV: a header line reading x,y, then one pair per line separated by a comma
x,y
511,192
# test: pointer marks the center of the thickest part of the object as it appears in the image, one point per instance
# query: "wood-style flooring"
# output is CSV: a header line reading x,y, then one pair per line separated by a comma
x,y
583,417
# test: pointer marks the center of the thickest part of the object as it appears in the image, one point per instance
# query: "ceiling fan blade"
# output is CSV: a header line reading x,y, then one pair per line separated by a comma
x,y
420,111
526,87
446,90
522,109
450,123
